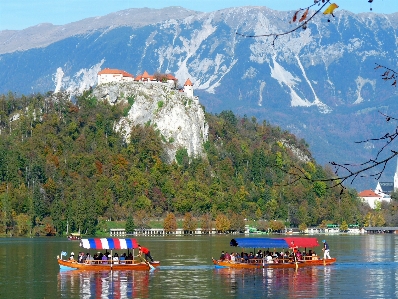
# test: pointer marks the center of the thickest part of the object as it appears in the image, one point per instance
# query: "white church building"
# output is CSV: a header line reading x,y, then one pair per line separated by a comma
x,y
381,193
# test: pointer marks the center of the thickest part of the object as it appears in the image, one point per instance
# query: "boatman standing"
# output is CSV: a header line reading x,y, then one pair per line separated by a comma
x,y
325,250
146,252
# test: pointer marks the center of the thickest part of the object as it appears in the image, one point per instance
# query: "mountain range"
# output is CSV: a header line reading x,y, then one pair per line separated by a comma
x,y
319,83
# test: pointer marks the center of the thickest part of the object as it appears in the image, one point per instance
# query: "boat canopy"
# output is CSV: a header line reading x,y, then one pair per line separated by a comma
x,y
302,242
109,243
274,242
260,243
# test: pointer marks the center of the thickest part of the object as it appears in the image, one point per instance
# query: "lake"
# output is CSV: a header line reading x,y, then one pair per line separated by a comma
x,y
367,267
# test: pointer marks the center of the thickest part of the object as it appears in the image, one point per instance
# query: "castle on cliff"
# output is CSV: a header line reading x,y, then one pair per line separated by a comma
x,y
108,75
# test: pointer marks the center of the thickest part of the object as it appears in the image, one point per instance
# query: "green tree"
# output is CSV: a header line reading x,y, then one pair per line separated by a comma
x,y
130,225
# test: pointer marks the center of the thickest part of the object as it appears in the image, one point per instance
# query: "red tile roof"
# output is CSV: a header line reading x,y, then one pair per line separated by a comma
x,y
171,77
368,193
188,83
114,72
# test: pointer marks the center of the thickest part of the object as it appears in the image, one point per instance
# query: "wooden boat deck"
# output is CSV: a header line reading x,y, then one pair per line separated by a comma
x,y
107,265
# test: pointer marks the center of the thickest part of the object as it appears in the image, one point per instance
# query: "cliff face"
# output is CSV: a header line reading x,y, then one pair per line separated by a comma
x,y
179,118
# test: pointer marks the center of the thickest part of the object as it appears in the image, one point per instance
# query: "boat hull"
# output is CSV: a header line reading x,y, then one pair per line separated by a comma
x,y
100,266
299,264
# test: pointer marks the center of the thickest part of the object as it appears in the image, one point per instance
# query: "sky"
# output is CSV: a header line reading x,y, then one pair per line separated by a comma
x,y
21,14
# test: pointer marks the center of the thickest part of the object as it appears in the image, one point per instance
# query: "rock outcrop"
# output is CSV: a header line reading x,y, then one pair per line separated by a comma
x,y
180,119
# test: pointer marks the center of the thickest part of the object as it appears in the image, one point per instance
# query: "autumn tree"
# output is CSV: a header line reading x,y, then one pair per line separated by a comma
x,y
206,223
223,224
189,223
170,223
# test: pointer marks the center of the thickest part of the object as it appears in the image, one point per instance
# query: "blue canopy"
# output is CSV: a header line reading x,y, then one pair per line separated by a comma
x,y
261,243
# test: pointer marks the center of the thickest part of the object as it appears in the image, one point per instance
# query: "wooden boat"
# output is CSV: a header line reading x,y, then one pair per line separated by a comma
x,y
107,264
74,237
284,243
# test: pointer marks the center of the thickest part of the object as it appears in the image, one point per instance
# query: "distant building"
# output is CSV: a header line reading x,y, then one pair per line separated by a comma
x,y
113,75
188,88
382,192
371,198
385,189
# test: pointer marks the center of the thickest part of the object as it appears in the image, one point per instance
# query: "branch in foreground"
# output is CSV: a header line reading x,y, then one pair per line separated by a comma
x,y
303,19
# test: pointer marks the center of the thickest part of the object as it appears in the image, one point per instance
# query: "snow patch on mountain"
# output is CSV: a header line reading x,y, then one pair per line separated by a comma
x,y
82,80
260,100
190,46
360,84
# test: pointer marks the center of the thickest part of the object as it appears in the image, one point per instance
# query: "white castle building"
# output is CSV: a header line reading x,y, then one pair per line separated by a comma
x,y
108,75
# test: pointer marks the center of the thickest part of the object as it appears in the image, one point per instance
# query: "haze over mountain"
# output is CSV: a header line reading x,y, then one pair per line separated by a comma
x,y
318,83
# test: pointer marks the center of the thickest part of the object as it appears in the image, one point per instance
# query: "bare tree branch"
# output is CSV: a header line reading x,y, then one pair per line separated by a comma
x,y
303,19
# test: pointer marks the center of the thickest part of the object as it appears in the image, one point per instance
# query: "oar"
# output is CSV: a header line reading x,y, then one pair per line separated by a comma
x,y
146,262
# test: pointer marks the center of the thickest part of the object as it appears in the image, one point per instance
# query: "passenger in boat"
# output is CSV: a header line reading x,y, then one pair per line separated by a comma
x,y
325,250
116,258
227,256
130,257
233,257
72,256
269,259
123,258
298,255
146,252
104,259
222,256
245,257
259,254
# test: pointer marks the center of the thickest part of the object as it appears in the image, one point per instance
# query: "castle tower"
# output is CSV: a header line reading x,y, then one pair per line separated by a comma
x,y
396,179
188,89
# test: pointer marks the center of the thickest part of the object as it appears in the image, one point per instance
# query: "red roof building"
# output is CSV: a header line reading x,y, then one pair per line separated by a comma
x,y
114,75
371,197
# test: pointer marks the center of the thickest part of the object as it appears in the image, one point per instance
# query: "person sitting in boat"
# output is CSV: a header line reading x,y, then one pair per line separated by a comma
x,y
116,258
122,258
222,256
233,257
269,259
299,255
89,258
259,254
144,250
72,256
104,259
245,257
227,256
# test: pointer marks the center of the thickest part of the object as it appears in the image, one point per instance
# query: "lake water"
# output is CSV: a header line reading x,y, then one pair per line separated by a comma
x,y
367,267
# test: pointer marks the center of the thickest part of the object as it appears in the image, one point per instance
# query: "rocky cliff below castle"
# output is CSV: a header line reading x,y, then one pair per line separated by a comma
x,y
179,119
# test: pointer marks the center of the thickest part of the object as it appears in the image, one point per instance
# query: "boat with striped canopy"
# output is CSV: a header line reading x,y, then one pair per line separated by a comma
x,y
128,263
273,259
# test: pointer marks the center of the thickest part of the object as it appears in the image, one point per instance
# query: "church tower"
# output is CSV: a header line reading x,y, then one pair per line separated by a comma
x,y
396,179
188,89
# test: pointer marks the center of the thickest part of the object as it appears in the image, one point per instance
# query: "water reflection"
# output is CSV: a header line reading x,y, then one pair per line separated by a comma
x,y
288,283
103,284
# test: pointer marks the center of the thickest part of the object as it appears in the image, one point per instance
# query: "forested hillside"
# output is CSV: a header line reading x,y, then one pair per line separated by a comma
x,y
62,163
